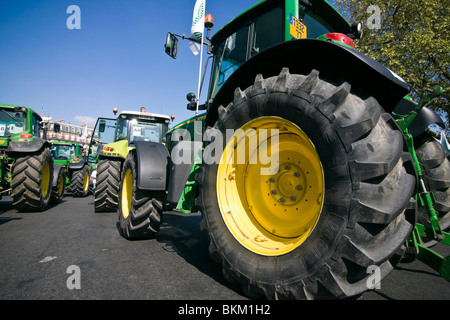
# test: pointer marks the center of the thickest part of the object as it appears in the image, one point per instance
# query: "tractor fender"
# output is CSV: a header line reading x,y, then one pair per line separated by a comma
x,y
77,165
57,167
424,117
27,146
183,155
152,162
335,63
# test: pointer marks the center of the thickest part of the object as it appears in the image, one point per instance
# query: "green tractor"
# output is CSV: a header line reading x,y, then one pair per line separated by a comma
x,y
118,137
307,185
26,163
75,174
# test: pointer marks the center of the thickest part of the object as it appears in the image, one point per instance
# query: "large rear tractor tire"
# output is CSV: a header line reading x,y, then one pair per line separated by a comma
x,y
326,210
79,184
32,176
140,211
107,185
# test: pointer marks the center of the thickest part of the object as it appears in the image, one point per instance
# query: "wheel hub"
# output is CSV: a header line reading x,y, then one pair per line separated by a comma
x,y
286,185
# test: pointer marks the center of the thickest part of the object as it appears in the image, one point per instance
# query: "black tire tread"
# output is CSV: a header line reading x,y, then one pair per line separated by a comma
x,y
107,185
26,181
378,166
77,182
145,216
56,197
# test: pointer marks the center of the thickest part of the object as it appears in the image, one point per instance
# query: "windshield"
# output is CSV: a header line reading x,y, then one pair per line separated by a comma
x,y
12,122
230,55
263,31
316,26
140,130
63,152
103,133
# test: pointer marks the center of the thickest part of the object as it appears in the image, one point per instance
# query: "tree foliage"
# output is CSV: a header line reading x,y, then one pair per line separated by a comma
x,y
412,38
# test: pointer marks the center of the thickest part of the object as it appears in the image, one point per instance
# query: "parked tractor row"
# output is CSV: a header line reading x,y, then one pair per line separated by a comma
x,y
310,165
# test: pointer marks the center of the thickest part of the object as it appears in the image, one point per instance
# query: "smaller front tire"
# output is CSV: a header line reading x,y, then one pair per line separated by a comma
x,y
107,185
140,211
80,182
58,190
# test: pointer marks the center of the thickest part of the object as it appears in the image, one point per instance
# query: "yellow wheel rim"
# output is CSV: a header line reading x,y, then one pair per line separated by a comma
x,y
127,193
270,207
86,181
45,182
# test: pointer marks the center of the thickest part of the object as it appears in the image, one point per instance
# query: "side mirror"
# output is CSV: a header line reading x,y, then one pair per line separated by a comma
x,y
191,98
357,30
171,46
102,126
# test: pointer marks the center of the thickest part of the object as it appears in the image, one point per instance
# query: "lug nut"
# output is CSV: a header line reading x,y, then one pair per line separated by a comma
x,y
232,174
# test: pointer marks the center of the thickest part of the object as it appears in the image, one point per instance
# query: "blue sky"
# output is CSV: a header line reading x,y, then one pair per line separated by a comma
x,y
116,59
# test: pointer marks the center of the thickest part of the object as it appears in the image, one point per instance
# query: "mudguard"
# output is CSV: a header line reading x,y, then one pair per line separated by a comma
x,y
335,63
57,167
180,169
77,165
424,117
27,145
152,163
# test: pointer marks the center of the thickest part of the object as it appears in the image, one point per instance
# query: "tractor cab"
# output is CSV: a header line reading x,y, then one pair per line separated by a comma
x,y
263,26
138,126
16,121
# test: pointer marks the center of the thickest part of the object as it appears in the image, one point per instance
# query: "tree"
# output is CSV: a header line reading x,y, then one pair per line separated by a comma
x,y
412,38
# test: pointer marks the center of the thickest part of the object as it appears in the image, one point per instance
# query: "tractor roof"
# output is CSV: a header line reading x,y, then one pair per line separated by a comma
x,y
23,108
144,114
324,7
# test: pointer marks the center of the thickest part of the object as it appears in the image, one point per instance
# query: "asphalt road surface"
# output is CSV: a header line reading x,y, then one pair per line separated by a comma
x,y
69,252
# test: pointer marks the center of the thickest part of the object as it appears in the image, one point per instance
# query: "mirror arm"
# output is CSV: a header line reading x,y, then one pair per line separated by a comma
x,y
183,36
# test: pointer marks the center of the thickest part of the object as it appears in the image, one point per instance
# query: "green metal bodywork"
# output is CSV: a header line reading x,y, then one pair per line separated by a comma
x,y
193,131
426,200
19,132
30,124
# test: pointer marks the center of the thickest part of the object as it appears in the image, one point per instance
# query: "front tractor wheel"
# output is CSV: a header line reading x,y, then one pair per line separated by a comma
x,y
79,184
309,192
140,211
107,185
58,190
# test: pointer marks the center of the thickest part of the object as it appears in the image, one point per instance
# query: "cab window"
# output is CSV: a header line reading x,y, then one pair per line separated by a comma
x,y
35,126
267,31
